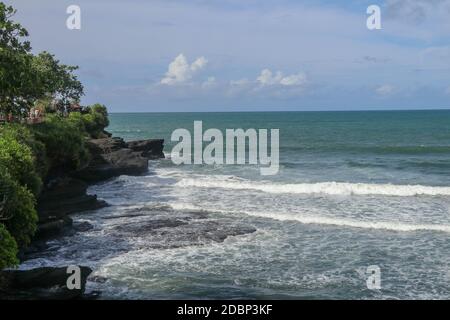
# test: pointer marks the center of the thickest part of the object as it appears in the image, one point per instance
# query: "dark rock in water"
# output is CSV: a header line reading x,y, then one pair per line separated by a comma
x,y
197,215
156,230
60,198
108,134
93,295
66,196
143,228
151,149
219,233
35,248
120,216
82,227
98,279
41,283
52,228
196,232
126,161
111,157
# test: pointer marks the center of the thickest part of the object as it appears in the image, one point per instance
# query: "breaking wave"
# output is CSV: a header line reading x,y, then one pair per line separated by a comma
x,y
329,188
322,220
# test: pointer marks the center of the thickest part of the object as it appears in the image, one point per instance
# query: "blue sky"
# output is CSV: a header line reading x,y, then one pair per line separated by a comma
x,y
236,55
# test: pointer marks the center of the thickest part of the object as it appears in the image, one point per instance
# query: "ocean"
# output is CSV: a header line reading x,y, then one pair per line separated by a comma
x,y
354,190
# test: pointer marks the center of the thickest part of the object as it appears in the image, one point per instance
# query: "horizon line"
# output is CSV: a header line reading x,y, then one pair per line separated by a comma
x,y
287,111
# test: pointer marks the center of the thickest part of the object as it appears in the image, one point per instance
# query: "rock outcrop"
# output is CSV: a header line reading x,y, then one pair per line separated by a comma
x,y
41,283
61,197
150,149
112,157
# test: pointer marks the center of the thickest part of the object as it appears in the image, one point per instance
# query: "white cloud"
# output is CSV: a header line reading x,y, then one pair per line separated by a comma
x,y
181,71
267,78
269,85
385,90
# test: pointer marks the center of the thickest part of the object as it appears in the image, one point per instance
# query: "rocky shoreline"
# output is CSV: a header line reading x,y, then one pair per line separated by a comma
x,y
67,194
110,157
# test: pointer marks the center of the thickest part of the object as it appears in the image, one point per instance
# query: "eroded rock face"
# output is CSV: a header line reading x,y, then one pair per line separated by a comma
x,y
172,229
111,157
60,198
107,145
150,149
41,283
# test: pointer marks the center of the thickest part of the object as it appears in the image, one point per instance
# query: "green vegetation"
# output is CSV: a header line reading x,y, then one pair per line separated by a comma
x,y
31,153
18,212
27,155
8,248
18,158
64,141
26,78
96,120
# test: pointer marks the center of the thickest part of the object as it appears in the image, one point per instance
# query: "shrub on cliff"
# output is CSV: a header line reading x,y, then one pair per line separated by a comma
x,y
23,135
93,122
19,184
17,210
8,249
18,159
22,225
100,116
64,142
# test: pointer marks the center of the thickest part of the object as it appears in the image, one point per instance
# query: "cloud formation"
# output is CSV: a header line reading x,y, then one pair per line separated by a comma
x,y
180,71
346,65
267,78
385,90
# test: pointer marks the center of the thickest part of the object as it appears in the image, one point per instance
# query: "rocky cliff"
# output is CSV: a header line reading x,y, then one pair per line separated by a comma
x,y
109,157
41,284
67,194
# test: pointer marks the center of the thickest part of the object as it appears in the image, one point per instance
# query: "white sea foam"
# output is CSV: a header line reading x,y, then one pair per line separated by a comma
x,y
322,220
381,225
330,188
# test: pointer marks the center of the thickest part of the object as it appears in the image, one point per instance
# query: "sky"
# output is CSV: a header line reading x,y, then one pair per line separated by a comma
x,y
250,55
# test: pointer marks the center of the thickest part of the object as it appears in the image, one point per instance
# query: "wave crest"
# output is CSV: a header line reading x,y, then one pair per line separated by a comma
x,y
329,188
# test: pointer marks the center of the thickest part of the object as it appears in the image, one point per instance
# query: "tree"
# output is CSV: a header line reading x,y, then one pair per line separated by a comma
x,y
17,79
18,213
8,249
58,80
19,160
12,32
26,78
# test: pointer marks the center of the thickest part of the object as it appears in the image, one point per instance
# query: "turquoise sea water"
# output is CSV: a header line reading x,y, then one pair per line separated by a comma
x,y
355,189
